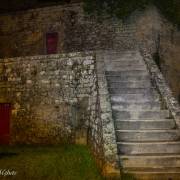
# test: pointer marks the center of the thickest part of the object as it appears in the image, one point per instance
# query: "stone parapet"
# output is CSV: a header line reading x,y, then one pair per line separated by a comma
x,y
159,81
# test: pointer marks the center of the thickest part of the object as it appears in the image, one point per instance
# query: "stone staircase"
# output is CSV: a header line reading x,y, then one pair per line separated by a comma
x,y
147,138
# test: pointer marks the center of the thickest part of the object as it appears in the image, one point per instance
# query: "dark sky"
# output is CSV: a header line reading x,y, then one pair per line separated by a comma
x,y
16,5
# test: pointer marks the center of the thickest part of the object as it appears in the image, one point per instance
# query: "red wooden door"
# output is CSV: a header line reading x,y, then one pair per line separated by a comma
x,y
5,111
51,43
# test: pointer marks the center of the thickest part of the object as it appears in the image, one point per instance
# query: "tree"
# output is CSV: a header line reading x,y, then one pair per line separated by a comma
x,y
123,8
170,8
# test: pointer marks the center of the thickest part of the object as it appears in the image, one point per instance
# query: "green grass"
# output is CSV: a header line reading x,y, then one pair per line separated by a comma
x,y
66,162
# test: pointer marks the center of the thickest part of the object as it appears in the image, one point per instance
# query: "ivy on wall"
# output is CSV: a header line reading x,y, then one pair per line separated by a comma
x,y
123,8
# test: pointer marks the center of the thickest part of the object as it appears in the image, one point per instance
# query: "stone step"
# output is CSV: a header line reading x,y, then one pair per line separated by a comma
x,y
142,175
120,91
124,35
135,97
152,170
116,100
125,68
127,78
152,162
127,73
150,148
124,62
120,44
147,135
121,53
123,58
149,105
128,30
145,124
130,84
163,175
145,114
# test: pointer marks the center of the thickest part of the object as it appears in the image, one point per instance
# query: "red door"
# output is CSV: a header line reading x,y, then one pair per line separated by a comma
x,y
5,111
51,43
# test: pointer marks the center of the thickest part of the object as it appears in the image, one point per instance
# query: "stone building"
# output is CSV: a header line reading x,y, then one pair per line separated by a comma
x,y
68,77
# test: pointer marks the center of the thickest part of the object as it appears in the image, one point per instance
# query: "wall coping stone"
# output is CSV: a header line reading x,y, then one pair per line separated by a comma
x,y
88,54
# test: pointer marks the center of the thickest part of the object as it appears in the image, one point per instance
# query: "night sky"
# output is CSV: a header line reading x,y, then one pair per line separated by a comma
x,y
16,5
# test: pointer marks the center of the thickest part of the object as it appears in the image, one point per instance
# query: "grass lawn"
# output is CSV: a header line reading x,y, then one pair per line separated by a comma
x,y
66,162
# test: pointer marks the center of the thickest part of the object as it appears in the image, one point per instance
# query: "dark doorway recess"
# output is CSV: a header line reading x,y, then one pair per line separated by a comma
x,y
5,112
51,43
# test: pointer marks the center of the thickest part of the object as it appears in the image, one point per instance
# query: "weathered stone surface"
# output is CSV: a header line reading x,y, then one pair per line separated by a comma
x,y
44,92
59,98
65,97
24,33
161,38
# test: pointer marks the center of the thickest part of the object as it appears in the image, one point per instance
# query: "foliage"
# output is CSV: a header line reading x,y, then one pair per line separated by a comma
x,y
123,8
170,8
119,8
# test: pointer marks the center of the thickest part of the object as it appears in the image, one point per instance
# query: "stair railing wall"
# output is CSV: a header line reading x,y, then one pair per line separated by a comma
x,y
111,166
161,85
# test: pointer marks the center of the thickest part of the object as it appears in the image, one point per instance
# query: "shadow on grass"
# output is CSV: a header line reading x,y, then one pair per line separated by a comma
x,y
7,154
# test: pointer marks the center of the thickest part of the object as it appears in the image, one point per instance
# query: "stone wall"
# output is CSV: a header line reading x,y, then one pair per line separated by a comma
x,y
60,98
49,96
162,40
23,33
